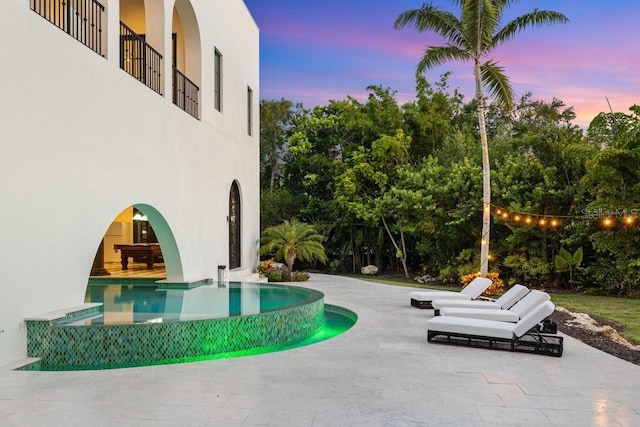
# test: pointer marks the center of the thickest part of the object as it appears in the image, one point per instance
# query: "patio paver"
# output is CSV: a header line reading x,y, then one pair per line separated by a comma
x,y
382,372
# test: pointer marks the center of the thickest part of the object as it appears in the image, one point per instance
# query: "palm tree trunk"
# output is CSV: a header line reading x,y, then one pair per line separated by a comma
x,y
290,259
486,175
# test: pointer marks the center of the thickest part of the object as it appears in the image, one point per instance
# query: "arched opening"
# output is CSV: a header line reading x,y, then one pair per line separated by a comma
x,y
235,227
186,58
138,243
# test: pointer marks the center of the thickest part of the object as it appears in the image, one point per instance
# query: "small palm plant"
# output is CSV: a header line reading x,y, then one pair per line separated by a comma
x,y
293,240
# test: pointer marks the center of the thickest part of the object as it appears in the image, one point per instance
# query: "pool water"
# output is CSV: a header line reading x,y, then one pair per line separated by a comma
x,y
131,304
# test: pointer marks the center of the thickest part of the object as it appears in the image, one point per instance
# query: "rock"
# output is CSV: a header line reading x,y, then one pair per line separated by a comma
x,y
369,270
424,279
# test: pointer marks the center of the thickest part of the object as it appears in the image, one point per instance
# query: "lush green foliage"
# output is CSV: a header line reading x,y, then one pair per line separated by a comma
x,y
390,185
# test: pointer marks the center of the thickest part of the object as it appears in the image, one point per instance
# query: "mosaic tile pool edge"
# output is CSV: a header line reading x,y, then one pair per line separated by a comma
x,y
99,347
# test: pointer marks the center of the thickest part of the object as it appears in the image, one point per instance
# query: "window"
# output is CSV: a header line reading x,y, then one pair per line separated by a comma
x,y
249,111
217,80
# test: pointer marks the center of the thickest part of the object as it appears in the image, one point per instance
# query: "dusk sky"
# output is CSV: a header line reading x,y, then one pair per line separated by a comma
x,y
316,51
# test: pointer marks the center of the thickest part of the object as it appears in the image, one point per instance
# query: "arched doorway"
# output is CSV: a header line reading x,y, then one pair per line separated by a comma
x,y
139,234
235,259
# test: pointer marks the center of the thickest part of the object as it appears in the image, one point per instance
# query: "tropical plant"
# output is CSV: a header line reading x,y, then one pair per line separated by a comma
x,y
472,37
293,240
566,261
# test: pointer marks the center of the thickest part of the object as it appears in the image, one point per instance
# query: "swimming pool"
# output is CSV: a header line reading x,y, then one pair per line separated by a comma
x,y
134,325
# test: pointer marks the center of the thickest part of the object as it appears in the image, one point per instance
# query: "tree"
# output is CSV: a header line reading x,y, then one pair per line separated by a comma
x,y
368,176
293,240
276,117
612,184
472,37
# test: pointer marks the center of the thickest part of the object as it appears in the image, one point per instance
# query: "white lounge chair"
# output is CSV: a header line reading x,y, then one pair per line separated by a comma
x,y
525,335
523,307
506,301
422,299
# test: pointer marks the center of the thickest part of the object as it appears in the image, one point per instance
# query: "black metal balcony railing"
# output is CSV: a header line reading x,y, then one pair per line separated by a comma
x,y
185,93
81,19
139,59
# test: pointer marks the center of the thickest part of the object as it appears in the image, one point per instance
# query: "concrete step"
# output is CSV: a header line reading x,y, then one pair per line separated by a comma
x,y
245,275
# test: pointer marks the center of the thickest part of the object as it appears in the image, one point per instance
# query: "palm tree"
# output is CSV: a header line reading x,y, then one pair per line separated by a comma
x,y
293,240
472,37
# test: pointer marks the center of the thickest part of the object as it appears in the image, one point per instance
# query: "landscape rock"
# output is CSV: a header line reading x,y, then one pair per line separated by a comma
x,y
369,270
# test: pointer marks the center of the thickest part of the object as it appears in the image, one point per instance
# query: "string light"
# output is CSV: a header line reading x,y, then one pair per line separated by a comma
x,y
555,221
608,222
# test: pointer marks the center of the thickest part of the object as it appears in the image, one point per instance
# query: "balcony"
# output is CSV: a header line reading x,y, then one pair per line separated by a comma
x,y
81,19
84,20
139,59
185,93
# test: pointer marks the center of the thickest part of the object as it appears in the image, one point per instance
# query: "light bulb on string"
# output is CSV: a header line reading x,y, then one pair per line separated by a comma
x,y
608,222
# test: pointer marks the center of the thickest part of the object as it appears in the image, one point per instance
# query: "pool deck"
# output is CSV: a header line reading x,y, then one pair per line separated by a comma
x,y
382,372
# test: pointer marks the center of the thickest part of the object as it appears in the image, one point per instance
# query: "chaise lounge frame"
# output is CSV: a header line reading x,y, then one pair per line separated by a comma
x,y
423,299
533,341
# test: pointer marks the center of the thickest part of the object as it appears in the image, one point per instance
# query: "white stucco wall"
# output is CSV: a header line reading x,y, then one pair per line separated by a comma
x,y
81,140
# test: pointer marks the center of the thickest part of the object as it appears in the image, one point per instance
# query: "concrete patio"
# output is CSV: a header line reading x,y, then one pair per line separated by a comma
x,y
382,372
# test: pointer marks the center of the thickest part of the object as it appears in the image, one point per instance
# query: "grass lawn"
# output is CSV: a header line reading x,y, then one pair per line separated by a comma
x,y
624,311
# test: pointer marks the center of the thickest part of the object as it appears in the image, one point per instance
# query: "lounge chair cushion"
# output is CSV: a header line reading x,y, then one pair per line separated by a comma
x,y
512,296
507,300
435,295
467,326
529,302
480,313
532,300
531,319
439,304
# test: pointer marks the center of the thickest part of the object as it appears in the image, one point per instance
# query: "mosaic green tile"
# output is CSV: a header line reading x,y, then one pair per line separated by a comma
x,y
64,347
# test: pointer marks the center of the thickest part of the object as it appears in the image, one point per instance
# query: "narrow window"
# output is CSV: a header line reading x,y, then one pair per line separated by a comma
x,y
217,80
249,111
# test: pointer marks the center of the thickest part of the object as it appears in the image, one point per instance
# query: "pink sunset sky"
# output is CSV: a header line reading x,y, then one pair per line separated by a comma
x,y
316,51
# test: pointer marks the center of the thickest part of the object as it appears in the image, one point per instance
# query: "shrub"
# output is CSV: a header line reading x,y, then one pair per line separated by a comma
x,y
277,276
299,276
496,287
264,266
276,272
